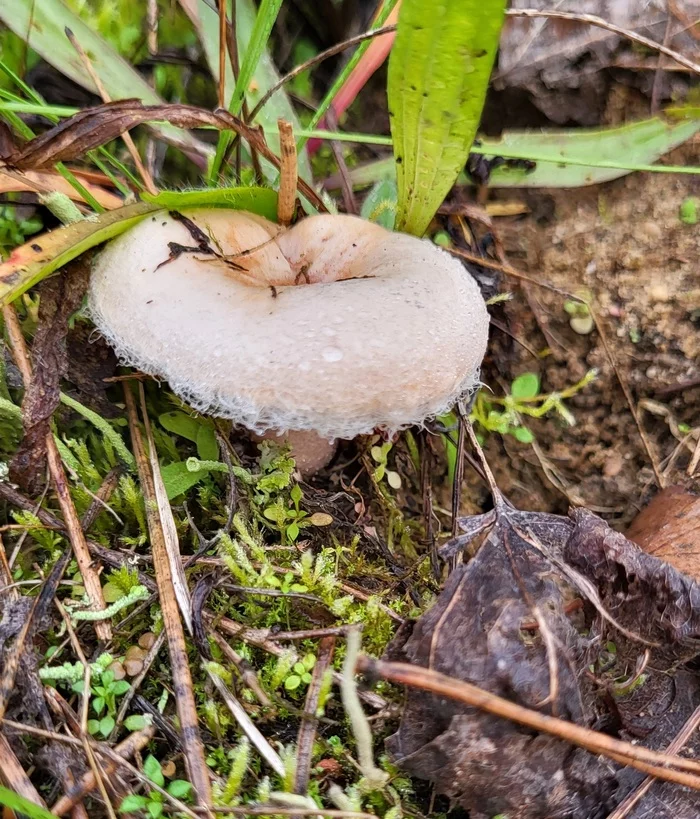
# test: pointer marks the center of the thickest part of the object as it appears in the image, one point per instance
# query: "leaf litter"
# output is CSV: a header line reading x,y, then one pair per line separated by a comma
x,y
512,622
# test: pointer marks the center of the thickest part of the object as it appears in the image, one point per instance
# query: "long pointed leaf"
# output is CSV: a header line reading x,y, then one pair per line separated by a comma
x,y
439,71
265,75
565,159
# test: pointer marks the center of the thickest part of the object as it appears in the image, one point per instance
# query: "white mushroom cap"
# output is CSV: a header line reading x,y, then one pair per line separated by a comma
x,y
363,329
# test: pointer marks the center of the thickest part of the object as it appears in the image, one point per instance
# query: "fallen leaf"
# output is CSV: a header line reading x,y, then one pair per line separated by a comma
x,y
49,181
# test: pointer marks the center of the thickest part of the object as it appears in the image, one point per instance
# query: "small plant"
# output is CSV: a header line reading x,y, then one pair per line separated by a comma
x,y
580,318
104,689
504,415
688,211
290,520
380,455
301,673
152,803
14,231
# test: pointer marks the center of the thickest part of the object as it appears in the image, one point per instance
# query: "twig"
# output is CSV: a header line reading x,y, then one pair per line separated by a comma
x,y
276,810
690,727
222,53
307,729
664,766
13,655
100,498
148,661
630,400
13,775
166,520
592,20
247,674
152,26
182,678
133,743
76,536
102,91
288,173
97,773
345,184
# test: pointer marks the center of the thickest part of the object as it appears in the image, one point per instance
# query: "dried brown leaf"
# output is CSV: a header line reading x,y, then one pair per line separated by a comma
x,y
60,298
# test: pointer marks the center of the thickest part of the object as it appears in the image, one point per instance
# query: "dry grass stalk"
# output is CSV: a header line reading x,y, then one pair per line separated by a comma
x,y
102,91
288,173
182,678
126,749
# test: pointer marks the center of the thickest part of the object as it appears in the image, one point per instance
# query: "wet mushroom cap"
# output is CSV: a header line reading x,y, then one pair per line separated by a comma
x,y
335,325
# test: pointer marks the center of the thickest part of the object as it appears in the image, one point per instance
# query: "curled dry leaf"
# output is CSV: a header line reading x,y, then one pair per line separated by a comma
x,y
50,181
92,127
522,619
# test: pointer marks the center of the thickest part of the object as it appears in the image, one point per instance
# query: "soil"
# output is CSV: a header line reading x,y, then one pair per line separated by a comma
x,y
623,245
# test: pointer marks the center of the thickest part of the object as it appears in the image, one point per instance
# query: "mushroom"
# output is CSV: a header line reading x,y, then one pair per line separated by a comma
x,y
330,329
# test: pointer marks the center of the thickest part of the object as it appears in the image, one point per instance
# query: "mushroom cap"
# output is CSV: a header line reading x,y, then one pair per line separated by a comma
x,y
335,325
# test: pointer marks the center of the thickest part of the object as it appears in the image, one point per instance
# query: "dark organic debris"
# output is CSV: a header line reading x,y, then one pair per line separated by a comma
x,y
568,617
61,296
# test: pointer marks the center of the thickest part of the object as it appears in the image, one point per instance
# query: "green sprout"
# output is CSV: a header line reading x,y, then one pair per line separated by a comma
x,y
152,803
504,415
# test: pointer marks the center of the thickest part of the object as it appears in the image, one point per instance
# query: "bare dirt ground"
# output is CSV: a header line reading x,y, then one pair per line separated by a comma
x,y
623,245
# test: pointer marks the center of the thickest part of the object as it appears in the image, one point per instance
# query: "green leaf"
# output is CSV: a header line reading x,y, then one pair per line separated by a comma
x,y
18,803
292,682
132,803
93,726
207,446
252,50
439,71
152,769
523,435
295,494
42,26
526,385
567,158
262,201
155,809
688,212
178,478
179,788
136,722
120,687
206,20
380,204
107,725
293,531
180,423
112,592
30,263
98,705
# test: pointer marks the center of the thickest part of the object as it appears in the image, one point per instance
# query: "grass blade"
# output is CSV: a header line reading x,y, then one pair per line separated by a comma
x,y
439,71
565,159
42,26
265,75
255,47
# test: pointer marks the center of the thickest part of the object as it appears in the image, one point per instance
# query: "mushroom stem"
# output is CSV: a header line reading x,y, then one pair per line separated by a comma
x,y
311,452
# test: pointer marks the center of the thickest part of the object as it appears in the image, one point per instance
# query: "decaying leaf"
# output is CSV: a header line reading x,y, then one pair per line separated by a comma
x,y
522,619
669,528
60,298
93,127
